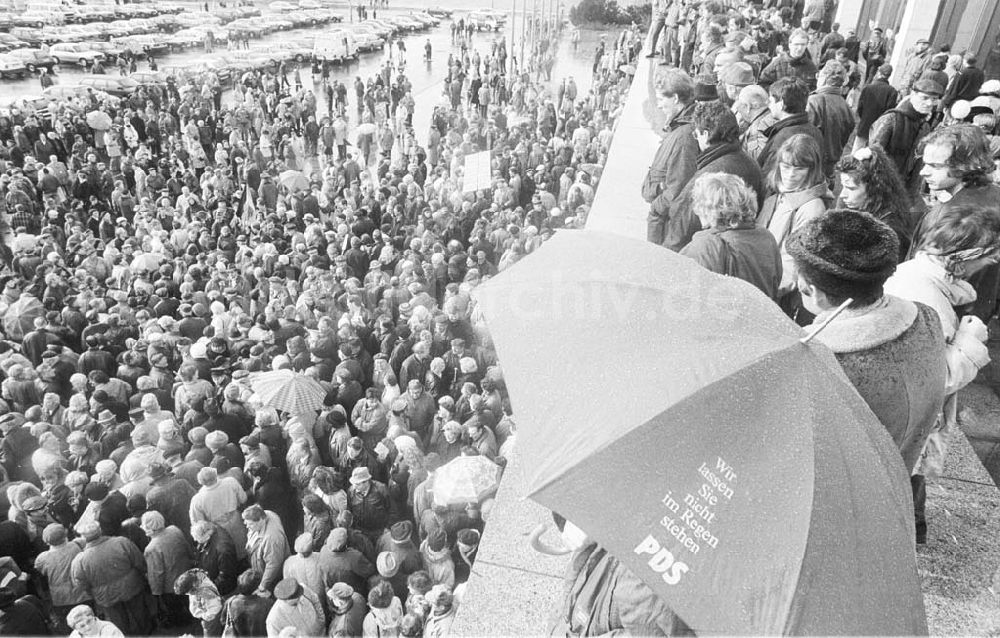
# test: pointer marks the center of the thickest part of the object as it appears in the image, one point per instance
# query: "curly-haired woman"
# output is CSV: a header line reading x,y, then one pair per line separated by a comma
x,y
871,184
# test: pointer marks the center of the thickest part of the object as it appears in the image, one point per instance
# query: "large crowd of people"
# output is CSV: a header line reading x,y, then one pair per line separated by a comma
x,y
863,199
162,251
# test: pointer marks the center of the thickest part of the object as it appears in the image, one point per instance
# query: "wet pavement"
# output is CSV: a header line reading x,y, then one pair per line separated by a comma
x,y
425,77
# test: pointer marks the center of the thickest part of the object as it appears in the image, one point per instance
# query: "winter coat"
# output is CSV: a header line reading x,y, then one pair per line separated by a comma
x,y
172,498
828,111
439,625
986,282
781,131
55,565
247,614
110,570
439,565
673,165
220,504
602,596
168,555
371,510
217,557
346,565
349,621
964,86
720,158
898,131
783,214
306,615
785,66
268,550
306,570
923,279
747,252
893,352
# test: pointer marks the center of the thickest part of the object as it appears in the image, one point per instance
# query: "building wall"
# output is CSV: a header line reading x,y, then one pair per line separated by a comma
x,y
967,25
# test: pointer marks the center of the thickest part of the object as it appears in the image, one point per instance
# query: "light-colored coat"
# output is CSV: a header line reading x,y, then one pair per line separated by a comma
x,y
220,504
924,280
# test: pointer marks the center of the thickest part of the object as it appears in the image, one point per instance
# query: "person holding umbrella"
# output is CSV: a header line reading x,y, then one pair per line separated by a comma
x,y
602,595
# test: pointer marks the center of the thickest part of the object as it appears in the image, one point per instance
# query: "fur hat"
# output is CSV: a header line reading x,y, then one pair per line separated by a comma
x,y
845,253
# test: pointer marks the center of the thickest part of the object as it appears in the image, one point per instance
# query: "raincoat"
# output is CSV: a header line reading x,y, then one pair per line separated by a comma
x,y
220,504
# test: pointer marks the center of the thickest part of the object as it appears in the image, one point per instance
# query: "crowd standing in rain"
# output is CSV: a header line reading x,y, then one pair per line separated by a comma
x,y
861,198
165,252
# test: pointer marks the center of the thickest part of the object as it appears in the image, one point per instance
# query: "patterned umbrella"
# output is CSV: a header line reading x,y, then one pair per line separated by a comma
x,y
466,479
19,319
288,391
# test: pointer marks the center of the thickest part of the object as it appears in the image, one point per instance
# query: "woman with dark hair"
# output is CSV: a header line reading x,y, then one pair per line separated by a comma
x,y
963,241
800,195
871,184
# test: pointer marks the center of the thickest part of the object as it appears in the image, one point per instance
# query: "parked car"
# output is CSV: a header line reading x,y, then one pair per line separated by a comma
x,y
336,46
149,78
282,6
34,37
34,59
117,85
292,51
440,12
367,39
11,67
8,42
384,29
143,45
109,49
67,91
483,21
75,52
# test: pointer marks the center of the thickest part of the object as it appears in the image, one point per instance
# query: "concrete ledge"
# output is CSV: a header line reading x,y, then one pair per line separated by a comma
x,y
514,590
618,205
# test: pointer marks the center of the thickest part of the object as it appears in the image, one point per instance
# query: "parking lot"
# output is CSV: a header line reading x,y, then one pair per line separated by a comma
x,y
191,41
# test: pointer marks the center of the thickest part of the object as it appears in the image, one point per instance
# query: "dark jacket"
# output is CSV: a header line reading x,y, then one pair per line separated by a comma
x,y
673,165
898,131
781,131
876,98
248,614
113,512
964,86
217,556
748,252
720,158
828,111
784,66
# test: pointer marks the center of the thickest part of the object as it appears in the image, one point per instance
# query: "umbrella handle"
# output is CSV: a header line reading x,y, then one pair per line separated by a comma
x,y
826,322
535,540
